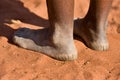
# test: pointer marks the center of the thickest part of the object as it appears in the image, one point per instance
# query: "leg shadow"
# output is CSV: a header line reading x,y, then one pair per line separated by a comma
x,y
15,10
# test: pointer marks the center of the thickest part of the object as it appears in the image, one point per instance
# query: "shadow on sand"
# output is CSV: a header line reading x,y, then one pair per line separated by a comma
x,y
15,10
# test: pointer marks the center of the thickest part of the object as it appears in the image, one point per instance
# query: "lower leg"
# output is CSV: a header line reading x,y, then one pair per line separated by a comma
x,y
61,19
93,27
55,41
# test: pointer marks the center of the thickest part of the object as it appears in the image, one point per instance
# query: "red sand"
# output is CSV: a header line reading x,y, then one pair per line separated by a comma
x,y
21,64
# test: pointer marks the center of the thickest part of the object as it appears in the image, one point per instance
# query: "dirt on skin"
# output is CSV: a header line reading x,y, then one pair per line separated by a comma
x,y
20,64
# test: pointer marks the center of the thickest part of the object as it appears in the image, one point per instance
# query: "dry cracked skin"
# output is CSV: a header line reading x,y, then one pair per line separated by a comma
x,y
17,63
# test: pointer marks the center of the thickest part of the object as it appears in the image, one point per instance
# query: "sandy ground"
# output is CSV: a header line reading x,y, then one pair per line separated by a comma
x,y
20,64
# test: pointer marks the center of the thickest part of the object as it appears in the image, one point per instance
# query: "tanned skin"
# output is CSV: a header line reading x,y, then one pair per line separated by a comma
x,y
57,40
93,27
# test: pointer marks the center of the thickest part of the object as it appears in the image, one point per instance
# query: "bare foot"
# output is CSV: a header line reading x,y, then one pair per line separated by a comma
x,y
42,41
94,38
